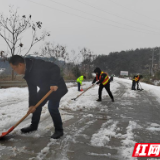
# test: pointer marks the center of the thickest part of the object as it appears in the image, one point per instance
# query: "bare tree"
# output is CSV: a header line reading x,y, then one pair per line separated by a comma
x,y
13,26
55,51
86,64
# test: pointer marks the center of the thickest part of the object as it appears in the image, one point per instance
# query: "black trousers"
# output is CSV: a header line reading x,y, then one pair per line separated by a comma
x,y
137,83
133,85
53,108
79,85
107,87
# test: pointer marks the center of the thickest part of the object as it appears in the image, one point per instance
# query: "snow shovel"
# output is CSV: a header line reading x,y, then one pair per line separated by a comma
x,y
83,92
11,129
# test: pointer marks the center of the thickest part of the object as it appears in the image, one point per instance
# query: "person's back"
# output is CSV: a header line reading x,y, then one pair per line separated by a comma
x,y
80,79
40,73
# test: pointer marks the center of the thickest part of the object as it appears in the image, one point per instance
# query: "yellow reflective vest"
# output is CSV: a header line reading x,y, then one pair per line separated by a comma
x,y
136,78
80,79
106,79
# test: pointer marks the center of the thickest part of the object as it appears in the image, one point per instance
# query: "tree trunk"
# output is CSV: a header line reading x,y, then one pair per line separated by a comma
x,y
12,74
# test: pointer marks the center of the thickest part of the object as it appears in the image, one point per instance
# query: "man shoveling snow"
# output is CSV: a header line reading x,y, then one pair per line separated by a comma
x,y
46,76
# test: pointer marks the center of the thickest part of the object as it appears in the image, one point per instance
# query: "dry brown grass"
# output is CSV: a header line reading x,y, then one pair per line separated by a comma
x,y
9,78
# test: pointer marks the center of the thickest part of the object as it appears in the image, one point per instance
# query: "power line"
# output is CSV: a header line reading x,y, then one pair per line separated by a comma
x,y
88,18
115,14
100,17
133,11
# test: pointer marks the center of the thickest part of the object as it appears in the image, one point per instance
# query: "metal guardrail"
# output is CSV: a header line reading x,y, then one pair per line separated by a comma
x,y
7,84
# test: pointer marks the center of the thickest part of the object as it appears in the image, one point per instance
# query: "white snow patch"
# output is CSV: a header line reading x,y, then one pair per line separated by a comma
x,y
130,93
147,87
153,127
125,103
86,100
104,134
99,155
128,141
41,155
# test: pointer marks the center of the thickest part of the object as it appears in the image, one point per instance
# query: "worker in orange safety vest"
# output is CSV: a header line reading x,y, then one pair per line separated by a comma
x,y
103,81
137,79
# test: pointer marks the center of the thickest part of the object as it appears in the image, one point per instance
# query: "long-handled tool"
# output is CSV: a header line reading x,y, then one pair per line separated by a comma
x,y
83,92
11,129
141,87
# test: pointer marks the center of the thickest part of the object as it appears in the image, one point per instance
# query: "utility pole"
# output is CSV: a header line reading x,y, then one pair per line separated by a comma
x,y
152,73
152,63
159,60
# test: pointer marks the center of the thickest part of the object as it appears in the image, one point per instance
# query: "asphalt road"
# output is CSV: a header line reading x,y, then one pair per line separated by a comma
x,y
128,120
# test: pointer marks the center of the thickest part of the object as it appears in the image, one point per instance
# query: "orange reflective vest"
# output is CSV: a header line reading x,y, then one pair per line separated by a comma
x,y
136,78
106,79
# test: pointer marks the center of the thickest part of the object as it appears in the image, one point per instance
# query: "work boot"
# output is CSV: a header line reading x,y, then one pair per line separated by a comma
x,y
98,100
28,129
57,134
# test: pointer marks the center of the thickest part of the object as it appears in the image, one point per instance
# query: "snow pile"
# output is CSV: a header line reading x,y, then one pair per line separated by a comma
x,y
130,93
153,127
104,134
86,100
156,82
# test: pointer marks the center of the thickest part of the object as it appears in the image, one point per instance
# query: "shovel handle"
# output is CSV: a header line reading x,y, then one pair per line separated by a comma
x,y
43,99
35,108
83,92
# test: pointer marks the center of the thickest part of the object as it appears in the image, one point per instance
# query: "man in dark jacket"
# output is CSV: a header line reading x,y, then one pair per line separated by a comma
x,y
133,83
46,76
103,81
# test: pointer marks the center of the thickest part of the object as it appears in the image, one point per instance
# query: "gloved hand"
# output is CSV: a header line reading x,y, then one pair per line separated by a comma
x,y
97,83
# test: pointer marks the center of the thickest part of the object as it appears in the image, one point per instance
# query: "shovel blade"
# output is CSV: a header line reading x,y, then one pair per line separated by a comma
x,y
5,133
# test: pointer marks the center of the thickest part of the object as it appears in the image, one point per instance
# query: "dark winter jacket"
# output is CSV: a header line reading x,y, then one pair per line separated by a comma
x,y
42,74
98,70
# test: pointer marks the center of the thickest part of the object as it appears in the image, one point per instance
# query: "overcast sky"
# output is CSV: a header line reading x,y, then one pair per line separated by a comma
x,y
103,26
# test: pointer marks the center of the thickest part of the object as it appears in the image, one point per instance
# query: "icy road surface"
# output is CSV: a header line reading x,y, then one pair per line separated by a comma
x,y
92,130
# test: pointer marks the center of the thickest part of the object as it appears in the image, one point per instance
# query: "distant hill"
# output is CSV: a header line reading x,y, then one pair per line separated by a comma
x,y
134,61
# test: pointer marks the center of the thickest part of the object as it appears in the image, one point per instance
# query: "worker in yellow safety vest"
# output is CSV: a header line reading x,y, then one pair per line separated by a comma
x,y
79,82
103,81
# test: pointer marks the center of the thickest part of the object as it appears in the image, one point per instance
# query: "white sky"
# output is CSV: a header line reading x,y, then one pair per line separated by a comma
x,y
75,29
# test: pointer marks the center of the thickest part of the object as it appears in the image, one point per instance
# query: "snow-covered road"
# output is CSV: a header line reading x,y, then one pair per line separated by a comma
x,y
93,130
